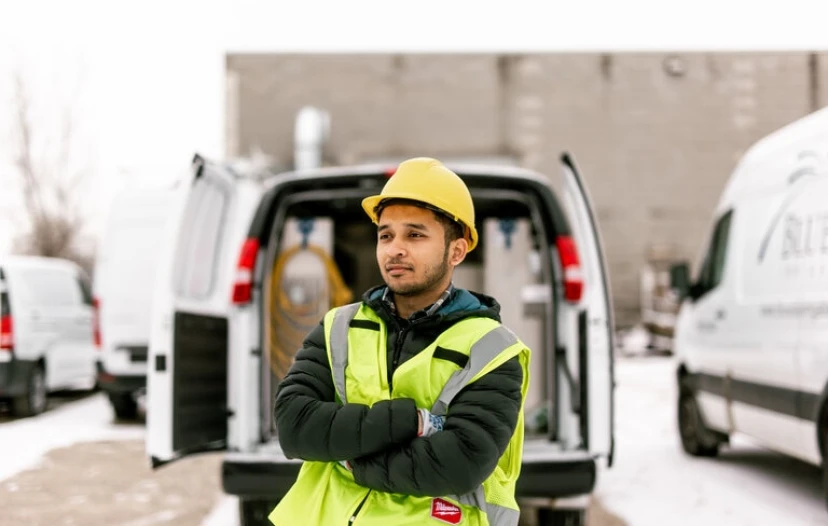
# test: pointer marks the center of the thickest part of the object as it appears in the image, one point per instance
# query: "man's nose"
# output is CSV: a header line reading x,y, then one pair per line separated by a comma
x,y
395,248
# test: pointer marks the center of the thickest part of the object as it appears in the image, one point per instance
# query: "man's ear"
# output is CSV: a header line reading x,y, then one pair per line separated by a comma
x,y
457,251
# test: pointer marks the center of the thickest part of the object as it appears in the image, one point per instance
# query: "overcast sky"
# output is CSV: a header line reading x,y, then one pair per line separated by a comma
x,y
150,73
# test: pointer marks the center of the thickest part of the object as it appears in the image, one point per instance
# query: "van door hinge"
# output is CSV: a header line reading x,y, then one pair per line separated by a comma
x,y
197,165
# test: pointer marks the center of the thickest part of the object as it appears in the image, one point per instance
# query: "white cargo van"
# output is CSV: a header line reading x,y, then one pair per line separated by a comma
x,y
252,262
46,331
125,269
752,334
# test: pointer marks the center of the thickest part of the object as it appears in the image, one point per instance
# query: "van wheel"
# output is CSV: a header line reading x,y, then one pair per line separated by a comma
x,y
551,517
124,406
33,402
696,439
254,512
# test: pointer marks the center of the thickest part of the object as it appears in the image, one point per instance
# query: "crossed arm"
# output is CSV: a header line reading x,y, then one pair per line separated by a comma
x,y
381,441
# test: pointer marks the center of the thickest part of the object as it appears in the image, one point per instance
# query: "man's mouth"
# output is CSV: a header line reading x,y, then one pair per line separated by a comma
x,y
397,269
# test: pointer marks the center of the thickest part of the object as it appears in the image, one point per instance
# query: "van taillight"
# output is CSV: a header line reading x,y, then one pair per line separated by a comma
x,y
573,280
243,285
96,322
6,333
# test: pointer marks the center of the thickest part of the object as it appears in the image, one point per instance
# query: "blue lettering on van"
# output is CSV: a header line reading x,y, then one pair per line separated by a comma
x,y
792,242
805,236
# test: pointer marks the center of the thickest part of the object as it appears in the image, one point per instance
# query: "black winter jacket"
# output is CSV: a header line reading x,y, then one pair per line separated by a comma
x,y
381,441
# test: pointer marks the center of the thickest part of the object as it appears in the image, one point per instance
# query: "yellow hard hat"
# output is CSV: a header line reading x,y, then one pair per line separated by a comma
x,y
429,181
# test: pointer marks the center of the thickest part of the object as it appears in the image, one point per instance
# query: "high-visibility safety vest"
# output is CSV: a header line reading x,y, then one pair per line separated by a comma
x,y
325,493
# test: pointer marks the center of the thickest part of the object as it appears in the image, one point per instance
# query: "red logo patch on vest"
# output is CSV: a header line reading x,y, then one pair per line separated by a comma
x,y
446,511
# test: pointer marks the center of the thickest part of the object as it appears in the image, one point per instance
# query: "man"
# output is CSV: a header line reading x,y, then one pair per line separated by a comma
x,y
407,407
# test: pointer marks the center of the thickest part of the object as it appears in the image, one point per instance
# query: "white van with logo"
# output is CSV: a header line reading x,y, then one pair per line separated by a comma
x,y
253,261
125,270
752,334
47,323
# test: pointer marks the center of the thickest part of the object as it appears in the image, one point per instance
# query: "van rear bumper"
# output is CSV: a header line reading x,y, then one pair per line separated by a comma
x,y
119,384
270,480
14,377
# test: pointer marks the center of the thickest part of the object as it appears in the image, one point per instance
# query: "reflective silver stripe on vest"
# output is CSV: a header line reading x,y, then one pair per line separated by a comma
x,y
338,341
497,515
482,352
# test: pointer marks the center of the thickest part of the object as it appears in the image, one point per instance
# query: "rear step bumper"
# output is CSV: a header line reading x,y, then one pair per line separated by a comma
x,y
556,479
258,480
546,478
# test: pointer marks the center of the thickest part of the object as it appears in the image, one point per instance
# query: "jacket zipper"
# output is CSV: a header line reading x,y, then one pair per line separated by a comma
x,y
397,351
398,348
356,511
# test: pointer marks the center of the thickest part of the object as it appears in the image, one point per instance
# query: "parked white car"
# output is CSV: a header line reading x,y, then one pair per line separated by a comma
x,y
752,334
125,270
47,327
249,266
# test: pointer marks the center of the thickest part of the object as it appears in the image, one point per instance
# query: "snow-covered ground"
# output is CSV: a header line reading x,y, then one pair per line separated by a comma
x,y
23,442
653,483
226,513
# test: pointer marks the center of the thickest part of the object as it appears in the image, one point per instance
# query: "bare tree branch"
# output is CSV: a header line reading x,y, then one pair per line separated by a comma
x,y
50,170
24,158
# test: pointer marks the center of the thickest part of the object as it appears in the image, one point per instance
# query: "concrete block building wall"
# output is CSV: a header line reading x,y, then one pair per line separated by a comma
x,y
656,134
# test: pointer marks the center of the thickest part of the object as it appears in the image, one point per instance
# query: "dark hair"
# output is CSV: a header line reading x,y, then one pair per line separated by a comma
x,y
453,229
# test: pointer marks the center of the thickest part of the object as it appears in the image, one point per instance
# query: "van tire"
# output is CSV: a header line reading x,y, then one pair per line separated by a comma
x,y
553,517
124,406
33,402
696,439
254,512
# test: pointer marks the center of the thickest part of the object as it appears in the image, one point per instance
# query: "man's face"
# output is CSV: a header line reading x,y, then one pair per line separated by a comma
x,y
411,250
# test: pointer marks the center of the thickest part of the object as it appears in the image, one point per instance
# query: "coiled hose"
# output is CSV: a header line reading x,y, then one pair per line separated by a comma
x,y
291,322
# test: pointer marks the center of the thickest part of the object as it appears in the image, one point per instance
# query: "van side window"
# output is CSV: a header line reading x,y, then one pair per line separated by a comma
x,y
712,270
198,255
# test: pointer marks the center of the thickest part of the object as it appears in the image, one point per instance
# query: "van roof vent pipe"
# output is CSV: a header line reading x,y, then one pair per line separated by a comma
x,y
311,132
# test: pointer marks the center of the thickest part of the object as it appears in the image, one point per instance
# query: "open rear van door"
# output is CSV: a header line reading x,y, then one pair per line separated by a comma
x,y
595,326
187,376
